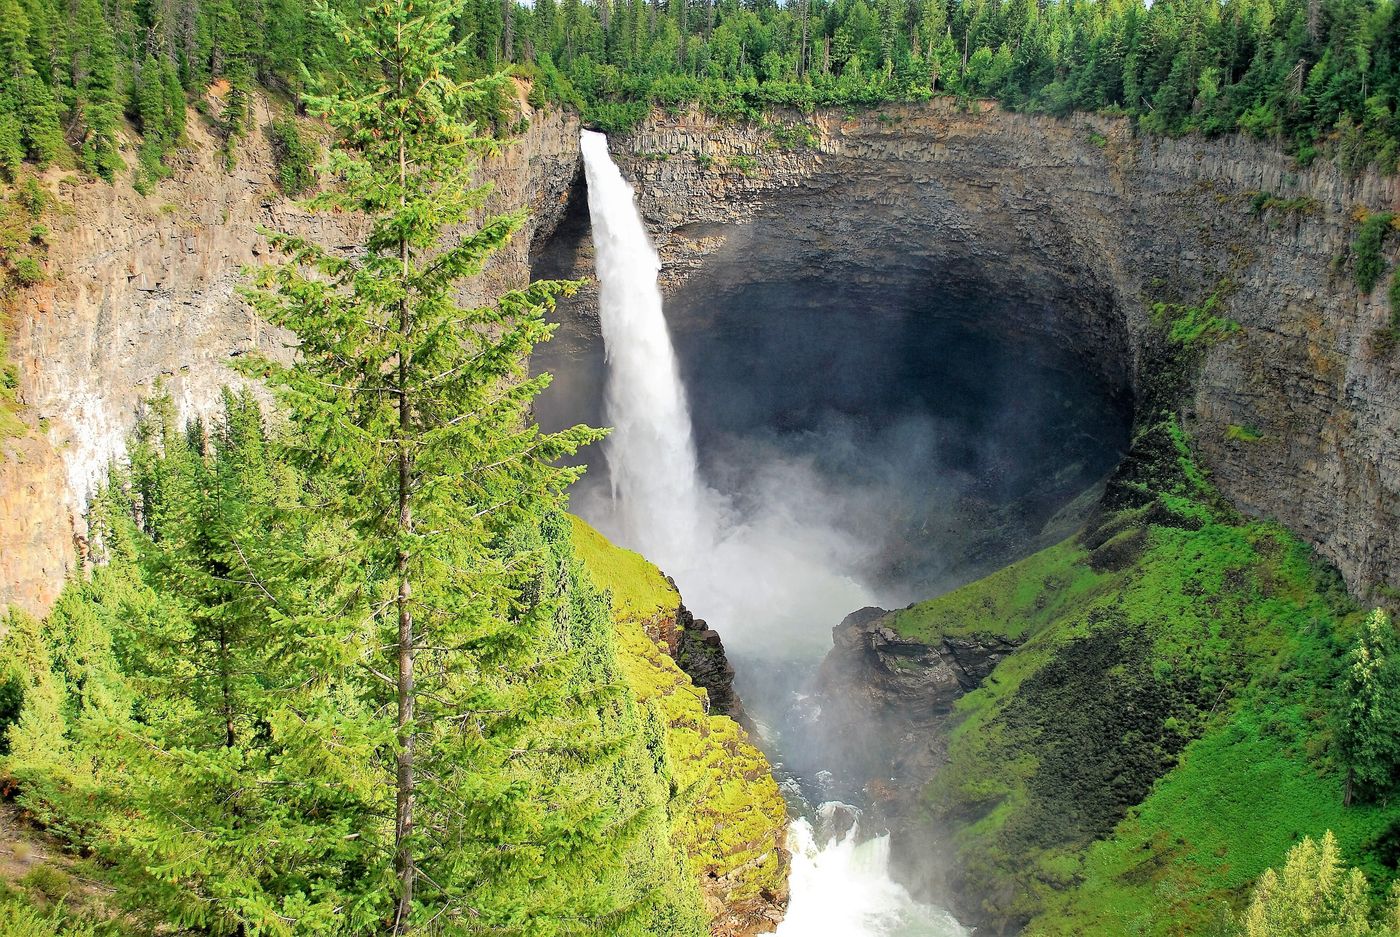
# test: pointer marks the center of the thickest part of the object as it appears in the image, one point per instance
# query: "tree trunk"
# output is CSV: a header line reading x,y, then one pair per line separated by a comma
x,y
508,15
805,8
403,816
225,687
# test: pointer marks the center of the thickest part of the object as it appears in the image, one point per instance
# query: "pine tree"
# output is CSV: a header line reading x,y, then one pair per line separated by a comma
x,y
1369,736
418,409
1315,895
97,108
24,100
258,811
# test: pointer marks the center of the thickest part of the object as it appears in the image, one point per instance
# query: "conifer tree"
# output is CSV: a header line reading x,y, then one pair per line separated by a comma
x,y
1316,895
257,809
418,408
1369,736
33,128
98,102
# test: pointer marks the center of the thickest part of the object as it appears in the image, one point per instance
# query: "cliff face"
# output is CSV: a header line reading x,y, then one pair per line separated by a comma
x,y
1079,227
142,291
1075,223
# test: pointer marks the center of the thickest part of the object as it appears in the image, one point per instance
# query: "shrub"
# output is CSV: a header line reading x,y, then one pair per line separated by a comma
x,y
1197,326
28,271
1368,264
295,156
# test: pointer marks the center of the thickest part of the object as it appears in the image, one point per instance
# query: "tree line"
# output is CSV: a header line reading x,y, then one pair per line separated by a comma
x,y
1320,76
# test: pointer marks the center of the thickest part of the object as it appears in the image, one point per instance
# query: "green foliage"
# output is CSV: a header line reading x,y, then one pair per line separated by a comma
x,y
1175,661
1198,326
160,115
638,589
222,658
1319,81
1368,739
517,798
295,156
22,917
1240,433
1262,203
22,247
1388,337
1316,895
745,164
1367,262
727,813
97,106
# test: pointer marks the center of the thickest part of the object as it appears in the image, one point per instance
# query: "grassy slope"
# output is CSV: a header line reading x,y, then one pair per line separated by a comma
x,y
1162,736
727,811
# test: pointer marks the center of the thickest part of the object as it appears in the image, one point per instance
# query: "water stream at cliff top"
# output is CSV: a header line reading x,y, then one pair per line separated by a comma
x,y
750,574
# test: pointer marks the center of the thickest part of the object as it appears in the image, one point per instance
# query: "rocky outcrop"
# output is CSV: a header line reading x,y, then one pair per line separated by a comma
x,y
1079,227
885,699
142,292
699,650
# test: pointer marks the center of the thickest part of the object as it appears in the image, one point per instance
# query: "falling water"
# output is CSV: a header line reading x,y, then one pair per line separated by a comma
x,y
741,572
659,498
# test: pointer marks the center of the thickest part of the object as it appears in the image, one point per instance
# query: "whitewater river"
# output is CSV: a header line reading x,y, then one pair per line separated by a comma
x,y
752,575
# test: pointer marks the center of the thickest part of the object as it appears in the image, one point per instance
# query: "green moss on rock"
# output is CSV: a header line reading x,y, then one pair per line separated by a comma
x,y
727,812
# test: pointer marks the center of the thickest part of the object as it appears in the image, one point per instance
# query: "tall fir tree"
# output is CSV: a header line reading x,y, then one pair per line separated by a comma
x,y
97,107
419,407
257,811
29,115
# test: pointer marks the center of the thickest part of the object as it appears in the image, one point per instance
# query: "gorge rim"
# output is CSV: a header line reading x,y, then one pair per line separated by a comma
x,y
869,433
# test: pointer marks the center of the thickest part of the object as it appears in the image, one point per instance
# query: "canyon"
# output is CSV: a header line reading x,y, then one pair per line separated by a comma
x,y
1046,241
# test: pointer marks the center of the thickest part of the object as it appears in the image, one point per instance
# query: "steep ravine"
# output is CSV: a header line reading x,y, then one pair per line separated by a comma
x,y
1076,225
1075,229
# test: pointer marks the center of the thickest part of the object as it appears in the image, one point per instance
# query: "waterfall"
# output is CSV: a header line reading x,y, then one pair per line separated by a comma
x,y
657,493
770,570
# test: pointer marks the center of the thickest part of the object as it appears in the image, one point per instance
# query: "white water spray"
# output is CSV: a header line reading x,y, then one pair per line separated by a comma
x,y
771,575
844,887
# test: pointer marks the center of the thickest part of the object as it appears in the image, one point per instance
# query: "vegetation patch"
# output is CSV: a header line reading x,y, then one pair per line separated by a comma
x,y
1240,433
1201,325
294,154
1264,203
1106,778
726,809
23,244
1367,261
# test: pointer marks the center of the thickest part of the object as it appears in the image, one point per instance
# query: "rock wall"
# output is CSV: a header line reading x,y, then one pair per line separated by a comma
x,y
1077,223
1081,226
142,291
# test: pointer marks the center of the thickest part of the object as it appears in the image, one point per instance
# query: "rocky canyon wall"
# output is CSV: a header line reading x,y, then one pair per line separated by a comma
x,y
142,291
1081,226
1078,224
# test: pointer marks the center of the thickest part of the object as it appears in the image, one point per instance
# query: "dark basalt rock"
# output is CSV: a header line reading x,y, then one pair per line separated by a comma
x,y
699,650
885,699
